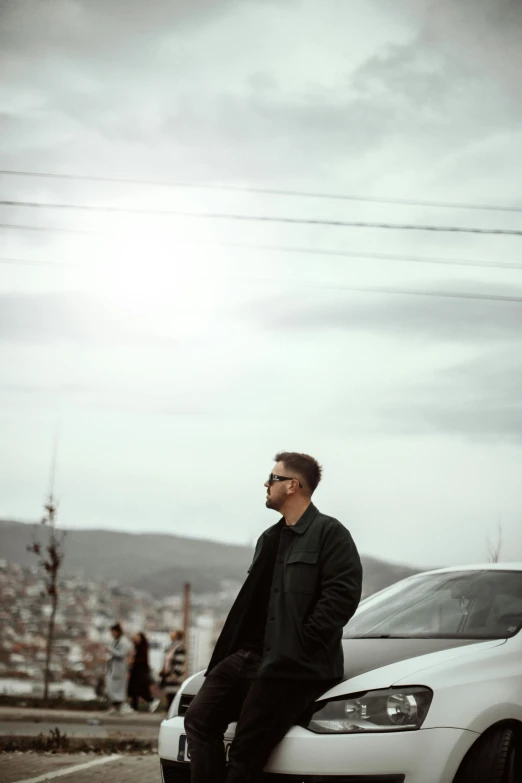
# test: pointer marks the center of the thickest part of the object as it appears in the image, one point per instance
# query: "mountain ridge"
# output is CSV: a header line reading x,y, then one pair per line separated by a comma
x,y
161,562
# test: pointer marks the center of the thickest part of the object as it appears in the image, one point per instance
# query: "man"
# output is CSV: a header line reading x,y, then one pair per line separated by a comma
x,y
280,648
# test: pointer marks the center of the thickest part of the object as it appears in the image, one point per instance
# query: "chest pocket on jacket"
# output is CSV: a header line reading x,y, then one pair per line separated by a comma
x,y
301,572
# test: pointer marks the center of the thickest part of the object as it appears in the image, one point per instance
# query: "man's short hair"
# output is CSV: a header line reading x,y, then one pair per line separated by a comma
x,y
307,467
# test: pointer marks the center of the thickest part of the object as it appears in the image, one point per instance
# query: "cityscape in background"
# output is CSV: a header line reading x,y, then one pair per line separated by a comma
x,y
86,610
139,581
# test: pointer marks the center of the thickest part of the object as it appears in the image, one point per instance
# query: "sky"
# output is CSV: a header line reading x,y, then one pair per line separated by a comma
x,y
170,362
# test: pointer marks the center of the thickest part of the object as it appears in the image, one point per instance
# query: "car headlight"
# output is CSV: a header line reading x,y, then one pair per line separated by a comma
x,y
392,709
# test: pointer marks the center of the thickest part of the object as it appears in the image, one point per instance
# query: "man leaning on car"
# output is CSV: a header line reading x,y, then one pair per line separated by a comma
x,y
280,648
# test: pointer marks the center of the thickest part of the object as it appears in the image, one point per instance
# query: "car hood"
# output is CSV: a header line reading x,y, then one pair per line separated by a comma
x,y
365,655
381,663
393,658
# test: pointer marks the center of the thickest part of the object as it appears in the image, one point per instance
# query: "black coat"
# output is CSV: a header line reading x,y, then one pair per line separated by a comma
x,y
312,598
139,675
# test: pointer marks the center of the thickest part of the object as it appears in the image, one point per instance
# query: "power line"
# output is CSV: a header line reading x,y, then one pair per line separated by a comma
x,y
18,227
376,256
264,218
412,292
267,191
356,289
307,251
277,249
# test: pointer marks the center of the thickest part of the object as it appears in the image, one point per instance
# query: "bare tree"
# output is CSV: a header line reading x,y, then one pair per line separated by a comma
x,y
495,546
51,555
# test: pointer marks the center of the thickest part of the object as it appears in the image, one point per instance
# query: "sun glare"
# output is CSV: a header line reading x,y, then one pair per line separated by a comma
x,y
159,281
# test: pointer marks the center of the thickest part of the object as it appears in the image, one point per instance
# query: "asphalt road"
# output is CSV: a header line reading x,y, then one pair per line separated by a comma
x,y
78,768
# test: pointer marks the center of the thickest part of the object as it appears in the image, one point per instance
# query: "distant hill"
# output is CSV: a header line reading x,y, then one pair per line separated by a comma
x,y
161,563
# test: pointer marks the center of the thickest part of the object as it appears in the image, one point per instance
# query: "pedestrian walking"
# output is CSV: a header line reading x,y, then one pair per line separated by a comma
x,y
280,648
139,675
173,670
117,670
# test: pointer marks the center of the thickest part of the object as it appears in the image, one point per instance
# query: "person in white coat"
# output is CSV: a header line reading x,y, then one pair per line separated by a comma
x,y
117,670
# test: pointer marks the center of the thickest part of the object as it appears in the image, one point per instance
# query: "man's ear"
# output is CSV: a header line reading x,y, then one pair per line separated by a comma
x,y
292,489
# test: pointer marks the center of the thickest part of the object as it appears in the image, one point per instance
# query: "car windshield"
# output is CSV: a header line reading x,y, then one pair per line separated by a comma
x,y
483,604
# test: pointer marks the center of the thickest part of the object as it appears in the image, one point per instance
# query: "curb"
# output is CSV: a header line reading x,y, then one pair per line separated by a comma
x,y
132,724
60,743
141,720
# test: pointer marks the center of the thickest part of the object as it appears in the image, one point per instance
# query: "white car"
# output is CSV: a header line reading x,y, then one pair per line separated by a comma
x,y
432,690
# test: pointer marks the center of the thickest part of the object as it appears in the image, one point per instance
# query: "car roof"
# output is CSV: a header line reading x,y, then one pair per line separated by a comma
x,y
513,566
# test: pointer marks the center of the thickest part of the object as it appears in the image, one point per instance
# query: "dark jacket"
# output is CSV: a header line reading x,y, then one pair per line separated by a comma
x,y
139,674
314,593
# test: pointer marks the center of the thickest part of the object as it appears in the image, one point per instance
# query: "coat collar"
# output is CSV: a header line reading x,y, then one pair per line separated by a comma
x,y
300,527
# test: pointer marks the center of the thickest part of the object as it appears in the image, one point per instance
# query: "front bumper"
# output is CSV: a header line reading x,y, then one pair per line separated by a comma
x,y
425,756
173,772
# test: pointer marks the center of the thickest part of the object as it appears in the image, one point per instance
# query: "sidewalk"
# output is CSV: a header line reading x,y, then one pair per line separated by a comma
x,y
37,728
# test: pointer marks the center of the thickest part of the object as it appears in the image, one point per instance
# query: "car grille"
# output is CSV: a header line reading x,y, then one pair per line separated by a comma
x,y
269,777
180,773
184,703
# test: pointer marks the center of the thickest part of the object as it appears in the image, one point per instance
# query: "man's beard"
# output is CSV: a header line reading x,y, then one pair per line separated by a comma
x,y
271,504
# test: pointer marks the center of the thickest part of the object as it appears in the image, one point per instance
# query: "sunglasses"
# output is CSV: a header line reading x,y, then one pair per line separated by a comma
x,y
274,477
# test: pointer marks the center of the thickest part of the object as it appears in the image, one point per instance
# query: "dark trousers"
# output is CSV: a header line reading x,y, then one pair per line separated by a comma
x,y
265,710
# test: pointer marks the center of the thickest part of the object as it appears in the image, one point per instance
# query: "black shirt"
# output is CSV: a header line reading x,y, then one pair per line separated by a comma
x,y
253,631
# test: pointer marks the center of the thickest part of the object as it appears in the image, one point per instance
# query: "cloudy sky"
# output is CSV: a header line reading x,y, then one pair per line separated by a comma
x,y
173,360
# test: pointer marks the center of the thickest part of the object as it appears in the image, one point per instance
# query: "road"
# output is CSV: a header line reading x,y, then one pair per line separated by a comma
x,y
78,768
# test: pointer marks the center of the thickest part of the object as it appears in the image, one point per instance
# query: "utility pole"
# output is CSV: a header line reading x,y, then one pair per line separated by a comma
x,y
186,625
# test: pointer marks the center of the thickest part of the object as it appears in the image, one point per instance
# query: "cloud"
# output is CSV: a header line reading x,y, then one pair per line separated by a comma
x,y
112,74
467,383
480,399
57,317
415,318
485,34
95,30
411,99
